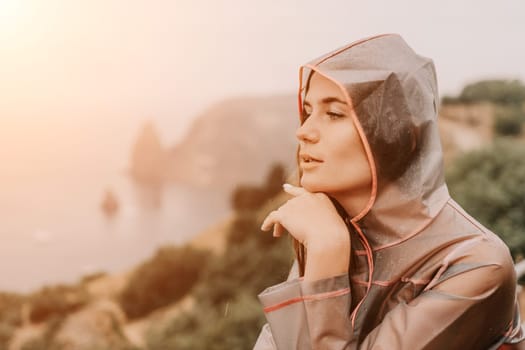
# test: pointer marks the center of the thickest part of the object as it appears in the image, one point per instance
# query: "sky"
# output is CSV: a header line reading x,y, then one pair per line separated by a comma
x,y
94,62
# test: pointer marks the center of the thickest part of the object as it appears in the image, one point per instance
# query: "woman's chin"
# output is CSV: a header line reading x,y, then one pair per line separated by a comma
x,y
311,186
318,186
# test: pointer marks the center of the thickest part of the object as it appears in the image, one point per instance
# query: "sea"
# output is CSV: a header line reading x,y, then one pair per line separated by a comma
x,y
53,177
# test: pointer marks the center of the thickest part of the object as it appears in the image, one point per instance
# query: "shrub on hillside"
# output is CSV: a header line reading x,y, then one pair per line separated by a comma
x,y
245,227
449,100
503,92
162,280
227,313
244,267
10,317
10,305
509,120
85,280
489,185
246,198
56,301
233,327
44,340
6,332
274,180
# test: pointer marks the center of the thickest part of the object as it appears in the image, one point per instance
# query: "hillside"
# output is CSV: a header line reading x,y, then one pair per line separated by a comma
x,y
236,141
465,127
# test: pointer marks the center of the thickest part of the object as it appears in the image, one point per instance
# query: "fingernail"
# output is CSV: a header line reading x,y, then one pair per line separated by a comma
x,y
287,186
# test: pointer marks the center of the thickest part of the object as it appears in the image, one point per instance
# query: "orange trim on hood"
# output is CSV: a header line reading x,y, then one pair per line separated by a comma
x,y
357,42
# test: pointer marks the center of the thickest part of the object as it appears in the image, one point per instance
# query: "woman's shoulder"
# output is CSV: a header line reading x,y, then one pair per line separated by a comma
x,y
454,245
465,231
469,246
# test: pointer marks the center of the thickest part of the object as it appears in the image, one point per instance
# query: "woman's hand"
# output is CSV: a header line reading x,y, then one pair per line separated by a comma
x,y
312,219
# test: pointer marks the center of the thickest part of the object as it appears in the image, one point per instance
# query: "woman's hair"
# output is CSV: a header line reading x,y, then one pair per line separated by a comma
x,y
393,141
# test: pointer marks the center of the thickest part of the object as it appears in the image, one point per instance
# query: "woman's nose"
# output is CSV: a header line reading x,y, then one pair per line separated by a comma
x,y
307,132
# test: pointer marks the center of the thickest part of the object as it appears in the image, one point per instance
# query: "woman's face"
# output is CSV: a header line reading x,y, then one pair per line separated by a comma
x,y
331,155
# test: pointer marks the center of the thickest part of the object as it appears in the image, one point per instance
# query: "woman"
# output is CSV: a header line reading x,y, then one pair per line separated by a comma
x,y
386,259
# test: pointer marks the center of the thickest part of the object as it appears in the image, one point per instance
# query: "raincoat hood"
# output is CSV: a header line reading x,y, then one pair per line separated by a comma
x,y
393,92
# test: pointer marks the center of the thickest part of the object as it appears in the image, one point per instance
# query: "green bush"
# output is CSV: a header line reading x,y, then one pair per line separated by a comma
x,y
274,180
249,198
509,120
246,267
245,227
489,184
449,100
496,91
235,326
227,314
164,279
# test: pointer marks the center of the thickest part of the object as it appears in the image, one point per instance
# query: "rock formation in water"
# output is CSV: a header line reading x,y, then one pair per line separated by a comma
x,y
148,158
109,203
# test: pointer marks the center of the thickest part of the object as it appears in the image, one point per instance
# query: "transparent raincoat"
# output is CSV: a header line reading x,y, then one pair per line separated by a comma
x,y
425,275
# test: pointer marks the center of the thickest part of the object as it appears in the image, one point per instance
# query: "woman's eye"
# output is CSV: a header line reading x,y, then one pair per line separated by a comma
x,y
306,114
335,115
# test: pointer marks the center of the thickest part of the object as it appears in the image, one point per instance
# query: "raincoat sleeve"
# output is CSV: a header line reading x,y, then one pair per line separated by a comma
x,y
265,339
307,315
473,309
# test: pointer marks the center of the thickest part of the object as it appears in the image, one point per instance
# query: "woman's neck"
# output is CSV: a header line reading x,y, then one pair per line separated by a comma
x,y
353,202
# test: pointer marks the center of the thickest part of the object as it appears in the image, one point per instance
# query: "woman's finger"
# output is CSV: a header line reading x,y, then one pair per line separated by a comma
x,y
270,220
278,230
294,190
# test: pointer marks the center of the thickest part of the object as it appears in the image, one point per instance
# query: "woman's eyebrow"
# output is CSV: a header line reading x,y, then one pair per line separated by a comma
x,y
327,100
332,99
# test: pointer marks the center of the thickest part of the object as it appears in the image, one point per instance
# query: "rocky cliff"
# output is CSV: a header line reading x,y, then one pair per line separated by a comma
x,y
236,141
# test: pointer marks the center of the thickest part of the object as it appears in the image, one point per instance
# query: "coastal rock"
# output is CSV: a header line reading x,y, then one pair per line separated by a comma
x,y
148,157
237,141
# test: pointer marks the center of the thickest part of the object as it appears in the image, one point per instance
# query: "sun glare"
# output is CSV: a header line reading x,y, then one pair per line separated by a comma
x,y
11,13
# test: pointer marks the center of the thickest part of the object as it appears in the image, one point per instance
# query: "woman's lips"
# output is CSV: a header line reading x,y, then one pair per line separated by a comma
x,y
308,161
